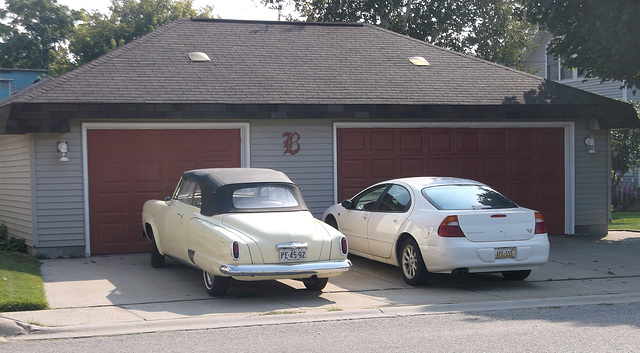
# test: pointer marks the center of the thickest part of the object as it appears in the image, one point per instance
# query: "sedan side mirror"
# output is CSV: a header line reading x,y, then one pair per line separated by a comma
x,y
347,204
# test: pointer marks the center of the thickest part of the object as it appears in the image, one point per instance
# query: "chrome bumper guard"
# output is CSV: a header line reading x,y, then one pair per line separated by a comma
x,y
311,268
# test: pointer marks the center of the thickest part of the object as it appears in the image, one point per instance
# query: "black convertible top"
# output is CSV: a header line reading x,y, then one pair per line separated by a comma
x,y
213,178
218,184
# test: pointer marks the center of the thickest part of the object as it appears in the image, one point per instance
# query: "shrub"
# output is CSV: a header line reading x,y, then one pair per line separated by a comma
x,y
625,199
8,243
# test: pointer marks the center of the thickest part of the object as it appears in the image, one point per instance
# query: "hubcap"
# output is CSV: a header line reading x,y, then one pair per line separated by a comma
x,y
409,260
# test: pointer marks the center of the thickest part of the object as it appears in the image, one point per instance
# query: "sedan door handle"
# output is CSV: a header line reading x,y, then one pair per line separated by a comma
x,y
181,214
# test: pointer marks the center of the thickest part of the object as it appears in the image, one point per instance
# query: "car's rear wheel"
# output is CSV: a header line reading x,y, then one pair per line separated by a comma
x,y
516,275
216,286
315,283
157,259
332,222
414,272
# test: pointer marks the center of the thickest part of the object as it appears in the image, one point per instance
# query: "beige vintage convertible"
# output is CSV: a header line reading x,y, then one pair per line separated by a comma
x,y
243,223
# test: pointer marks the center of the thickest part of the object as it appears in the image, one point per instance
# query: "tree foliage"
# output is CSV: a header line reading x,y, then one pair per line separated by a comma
x,y
33,32
41,34
490,29
600,37
625,145
129,19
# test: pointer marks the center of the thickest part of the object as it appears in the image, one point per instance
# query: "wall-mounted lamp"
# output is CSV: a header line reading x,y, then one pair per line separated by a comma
x,y
591,144
63,151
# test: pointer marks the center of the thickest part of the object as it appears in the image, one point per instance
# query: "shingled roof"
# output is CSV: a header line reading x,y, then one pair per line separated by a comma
x,y
294,70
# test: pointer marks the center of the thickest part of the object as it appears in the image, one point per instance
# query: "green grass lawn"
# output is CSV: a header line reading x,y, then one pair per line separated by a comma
x,y
625,221
21,286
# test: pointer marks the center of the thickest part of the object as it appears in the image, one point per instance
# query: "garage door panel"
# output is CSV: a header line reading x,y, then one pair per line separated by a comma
x,y
353,141
128,167
468,167
383,169
412,141
440,141
522,141
510,159
549,141
411,167
468,141
382,141
496,141
496,167
439,167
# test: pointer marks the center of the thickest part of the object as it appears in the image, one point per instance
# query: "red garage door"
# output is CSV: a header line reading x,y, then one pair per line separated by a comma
x,y
128,167
526,164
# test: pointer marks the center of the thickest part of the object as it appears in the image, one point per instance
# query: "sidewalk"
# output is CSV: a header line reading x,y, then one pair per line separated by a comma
x,y
122,294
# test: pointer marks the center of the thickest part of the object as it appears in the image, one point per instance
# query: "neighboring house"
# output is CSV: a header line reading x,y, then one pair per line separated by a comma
x,y
13,80
550,67
335,106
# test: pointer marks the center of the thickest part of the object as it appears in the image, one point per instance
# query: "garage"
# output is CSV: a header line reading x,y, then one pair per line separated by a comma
x,y
128,167
527,164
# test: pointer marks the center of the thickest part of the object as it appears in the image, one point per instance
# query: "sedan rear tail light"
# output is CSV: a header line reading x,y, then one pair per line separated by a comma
x,y
344,246
541,227
450,227
235,250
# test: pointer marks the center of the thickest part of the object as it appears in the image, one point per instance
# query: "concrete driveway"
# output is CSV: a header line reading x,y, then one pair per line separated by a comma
x,y
123,294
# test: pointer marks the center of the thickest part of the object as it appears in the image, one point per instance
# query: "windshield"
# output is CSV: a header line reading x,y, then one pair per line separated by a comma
x,y
466,197
264,197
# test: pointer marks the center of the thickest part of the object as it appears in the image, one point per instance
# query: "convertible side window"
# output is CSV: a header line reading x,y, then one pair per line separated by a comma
x,y
189,192
366,200
396,199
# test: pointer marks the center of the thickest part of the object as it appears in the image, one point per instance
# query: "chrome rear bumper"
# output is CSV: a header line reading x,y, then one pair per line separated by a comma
x,y
297,269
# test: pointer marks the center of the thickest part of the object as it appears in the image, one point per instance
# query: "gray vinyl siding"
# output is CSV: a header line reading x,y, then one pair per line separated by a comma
x,y
609,89
15,186
311,168
60,201
592,176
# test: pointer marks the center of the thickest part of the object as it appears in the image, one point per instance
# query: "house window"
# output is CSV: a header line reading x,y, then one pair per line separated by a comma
x,y
555,72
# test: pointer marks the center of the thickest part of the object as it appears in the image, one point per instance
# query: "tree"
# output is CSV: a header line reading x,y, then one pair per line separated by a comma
x,y
625,145
489,29
600,37
33,33
129,19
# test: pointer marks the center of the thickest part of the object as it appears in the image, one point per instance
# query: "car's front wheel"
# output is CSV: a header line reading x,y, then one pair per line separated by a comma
x,y
516,275
216,286
414,272
315,283
157,259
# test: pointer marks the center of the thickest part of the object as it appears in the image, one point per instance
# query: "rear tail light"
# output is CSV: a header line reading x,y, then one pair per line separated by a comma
x,y
344,246
450,227
235,250
541,227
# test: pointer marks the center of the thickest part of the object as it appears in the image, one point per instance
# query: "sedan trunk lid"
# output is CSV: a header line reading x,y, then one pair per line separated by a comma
x,y
497,224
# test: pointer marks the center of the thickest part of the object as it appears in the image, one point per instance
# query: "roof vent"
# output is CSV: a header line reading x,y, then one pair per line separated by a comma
x,y
198,56
419,61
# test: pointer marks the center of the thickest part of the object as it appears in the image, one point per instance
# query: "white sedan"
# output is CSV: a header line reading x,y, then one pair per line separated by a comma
x,y
442,225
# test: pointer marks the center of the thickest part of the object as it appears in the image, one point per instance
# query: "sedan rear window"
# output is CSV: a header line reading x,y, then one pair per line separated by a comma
x,y
466,197
263,197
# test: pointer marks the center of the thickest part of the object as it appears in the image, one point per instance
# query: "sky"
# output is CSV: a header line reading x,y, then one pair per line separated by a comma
x,y
227,9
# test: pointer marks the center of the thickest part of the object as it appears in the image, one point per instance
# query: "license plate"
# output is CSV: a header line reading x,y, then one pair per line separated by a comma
x,y
505,253
297,254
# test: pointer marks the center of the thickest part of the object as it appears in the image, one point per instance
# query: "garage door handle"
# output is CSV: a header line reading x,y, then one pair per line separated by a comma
x,y
181,214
